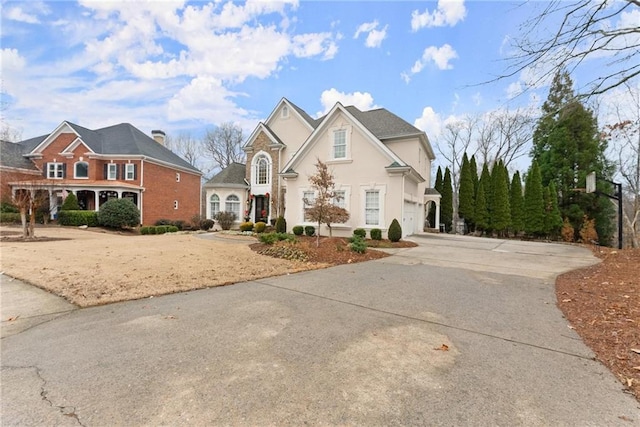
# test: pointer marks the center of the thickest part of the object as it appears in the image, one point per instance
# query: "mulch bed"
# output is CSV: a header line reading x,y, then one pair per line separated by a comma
x,y
602,303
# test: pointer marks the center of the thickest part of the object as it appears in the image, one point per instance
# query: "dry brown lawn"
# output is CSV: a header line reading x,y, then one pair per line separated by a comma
x,y
91,267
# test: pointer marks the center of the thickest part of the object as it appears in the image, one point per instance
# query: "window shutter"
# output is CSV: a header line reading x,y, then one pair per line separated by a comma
x,y
124,171
106,170
117,172
135,171
64,170
46,170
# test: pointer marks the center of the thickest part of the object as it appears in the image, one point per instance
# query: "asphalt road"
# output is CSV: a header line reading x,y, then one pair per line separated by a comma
x,y
431,336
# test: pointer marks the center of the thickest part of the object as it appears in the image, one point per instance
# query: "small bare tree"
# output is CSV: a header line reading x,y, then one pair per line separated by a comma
x,y
224,145
29,197
322,209
185,146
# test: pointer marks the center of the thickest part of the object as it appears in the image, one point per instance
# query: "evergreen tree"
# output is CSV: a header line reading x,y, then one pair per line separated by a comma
x,y
555,218
446,203
438,187
481,215
567,147
500,219
474,173
70,203
534,202
487,187
466,195
516,203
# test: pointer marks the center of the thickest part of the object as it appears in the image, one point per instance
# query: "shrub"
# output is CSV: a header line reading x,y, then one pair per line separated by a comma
x,y
78,218
246,226
163,221
172,229
360,232
376,234
206,224
153,230
144,230
588,233
225,219
119,213
567,231
195,221
179,224
271,238
10,218
358,244
285,252
281,225
259,227
161,229
298,230
6,207
70,203
395,231
309,230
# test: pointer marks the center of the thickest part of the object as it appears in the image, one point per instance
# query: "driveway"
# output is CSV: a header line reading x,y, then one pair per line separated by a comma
x,y
413,339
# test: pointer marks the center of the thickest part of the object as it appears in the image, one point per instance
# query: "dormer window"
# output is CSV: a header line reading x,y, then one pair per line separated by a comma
x,y
340,144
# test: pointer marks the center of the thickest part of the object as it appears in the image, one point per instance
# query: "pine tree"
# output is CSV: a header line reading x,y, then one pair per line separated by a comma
x,y
555,218
474,174
485,176
516,203
481,214
466,195
500,219
534,202
568,146
446,203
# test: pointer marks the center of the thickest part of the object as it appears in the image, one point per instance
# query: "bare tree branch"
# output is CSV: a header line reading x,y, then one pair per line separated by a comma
x,y
224,145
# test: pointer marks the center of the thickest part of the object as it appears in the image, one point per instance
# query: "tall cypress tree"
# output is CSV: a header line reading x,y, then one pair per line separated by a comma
x,y
501,212
567,147
481,215
487,186
446,203
438,187
466,195
534,202
473,166
516,203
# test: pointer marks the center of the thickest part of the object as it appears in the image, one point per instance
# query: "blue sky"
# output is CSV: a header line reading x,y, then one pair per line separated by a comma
x,y
187,66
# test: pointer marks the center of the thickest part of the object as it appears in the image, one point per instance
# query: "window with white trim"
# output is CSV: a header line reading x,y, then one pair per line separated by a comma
x,y
130,171
340,144
177,176
261,165
112,171
81,170
372,207
175,204
340,199
55,170
232,204
214,202
308,200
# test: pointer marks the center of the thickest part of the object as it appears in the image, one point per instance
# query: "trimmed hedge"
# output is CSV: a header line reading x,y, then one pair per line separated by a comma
x,y
375,233
271,238
158,229
206,224
11,218
119,213
259,227
281,225
246,226
298,230
77,218
309,230
395,231
360,232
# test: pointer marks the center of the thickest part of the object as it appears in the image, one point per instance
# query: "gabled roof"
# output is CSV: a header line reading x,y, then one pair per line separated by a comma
x,y
306,118
13,157
383,123
231,176
122,139
267,130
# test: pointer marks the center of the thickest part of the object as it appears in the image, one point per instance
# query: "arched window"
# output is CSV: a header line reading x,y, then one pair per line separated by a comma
x,y
261,170
232,204
215,205
81,170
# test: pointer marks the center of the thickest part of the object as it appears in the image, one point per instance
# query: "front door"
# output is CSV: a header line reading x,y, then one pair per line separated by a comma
x,y
261,208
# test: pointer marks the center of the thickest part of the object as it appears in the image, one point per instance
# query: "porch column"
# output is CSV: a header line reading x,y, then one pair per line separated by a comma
x,y
52,204
119,194
96,199
438,215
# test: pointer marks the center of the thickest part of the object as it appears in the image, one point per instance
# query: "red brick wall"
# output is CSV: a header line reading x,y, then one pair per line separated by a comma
x,y
162,189
7,176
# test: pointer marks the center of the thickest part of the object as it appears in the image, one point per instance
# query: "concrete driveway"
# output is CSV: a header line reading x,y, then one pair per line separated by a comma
x,y
413,339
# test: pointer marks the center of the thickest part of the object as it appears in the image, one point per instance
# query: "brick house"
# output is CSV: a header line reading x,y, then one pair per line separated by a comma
x,y
381,166
118,161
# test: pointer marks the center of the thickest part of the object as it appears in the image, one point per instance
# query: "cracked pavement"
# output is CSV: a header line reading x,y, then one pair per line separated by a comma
x,y
399,341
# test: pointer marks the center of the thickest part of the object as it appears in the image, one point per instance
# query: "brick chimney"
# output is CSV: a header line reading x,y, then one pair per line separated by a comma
x,y
159,136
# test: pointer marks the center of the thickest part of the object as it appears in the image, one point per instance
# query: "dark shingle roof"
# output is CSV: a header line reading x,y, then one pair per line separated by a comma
x,y
431,192
307,117
383,123
123,139
231,175
12,155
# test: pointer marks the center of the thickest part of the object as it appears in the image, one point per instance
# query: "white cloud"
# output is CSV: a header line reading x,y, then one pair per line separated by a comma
x,y
374,36
361,100
440,56
448,12
10,60
430,122
17,14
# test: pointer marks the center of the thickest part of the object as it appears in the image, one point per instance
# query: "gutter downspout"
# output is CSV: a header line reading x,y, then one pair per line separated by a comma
x,y
141,191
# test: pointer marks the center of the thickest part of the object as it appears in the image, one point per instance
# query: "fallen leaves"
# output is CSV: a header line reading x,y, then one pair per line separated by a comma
x,y
443,347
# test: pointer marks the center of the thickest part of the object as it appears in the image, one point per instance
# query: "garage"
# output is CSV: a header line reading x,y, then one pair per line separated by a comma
x,y
408,218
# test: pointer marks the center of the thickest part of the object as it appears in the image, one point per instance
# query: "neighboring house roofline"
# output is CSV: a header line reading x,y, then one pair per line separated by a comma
x,y
51,137
391,156
36,172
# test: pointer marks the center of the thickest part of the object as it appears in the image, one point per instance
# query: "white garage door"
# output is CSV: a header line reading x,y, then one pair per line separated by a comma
x,y
409,219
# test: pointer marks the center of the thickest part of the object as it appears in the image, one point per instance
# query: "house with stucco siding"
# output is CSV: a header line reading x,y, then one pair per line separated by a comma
x,y
381,166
